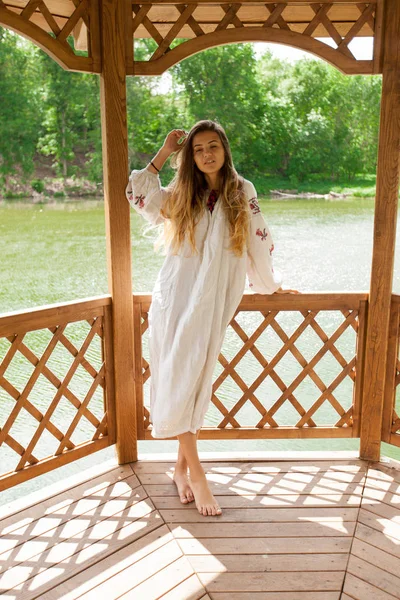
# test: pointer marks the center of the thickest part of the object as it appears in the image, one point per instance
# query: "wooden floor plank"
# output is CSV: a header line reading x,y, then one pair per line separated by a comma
x,y
260,515
277,596
358,589
85,550
285,534
333,481
48,532
94,488
373,495
377,557
266,545
382,510
256,467
112,564
162,582
138,573
379,523
383,472
58,488
274,582
217,529
373,575
260,490
378,539
189,589
242,501
246,563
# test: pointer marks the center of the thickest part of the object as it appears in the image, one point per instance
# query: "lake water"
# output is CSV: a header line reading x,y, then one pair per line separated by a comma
x,y
57,252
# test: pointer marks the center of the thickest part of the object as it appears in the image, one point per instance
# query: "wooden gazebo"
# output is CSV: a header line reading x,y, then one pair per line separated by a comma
x,y
104,32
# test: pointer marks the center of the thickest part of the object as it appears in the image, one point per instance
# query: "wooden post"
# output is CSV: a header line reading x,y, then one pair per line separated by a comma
x,y
387,189
117,212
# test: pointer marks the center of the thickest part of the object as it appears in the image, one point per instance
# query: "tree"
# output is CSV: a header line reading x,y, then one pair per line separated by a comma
x,y
221,84
20,111
71,114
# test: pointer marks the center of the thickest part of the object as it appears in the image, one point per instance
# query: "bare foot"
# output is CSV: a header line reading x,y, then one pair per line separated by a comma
x,y
182,483
205,501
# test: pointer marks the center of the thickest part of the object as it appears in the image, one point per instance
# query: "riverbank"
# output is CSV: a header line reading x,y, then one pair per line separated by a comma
x,y
43,190
362,186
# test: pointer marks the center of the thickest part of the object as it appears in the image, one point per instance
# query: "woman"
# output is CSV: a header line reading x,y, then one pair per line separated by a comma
x,y
214,234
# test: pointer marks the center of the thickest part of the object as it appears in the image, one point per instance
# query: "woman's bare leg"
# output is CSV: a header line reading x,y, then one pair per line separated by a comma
x,y
180,477
205,501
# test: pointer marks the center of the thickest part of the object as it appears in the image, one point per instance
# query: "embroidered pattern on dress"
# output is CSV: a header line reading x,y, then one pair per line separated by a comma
x,y
140,200
212,198
254,206
271,249
263,234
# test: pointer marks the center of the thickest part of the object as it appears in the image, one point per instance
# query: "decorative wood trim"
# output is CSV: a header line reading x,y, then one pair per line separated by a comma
x,y
360,366
253,34
387,186
108,359
137,323
54,47
48,316
390,378
353,308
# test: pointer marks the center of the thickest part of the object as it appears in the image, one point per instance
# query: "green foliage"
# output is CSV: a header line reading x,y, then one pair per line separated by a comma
x,y
19,110
221,84
298,124
38,185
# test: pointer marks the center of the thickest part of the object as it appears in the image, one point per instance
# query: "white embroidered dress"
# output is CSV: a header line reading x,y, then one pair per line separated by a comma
x,y
194,299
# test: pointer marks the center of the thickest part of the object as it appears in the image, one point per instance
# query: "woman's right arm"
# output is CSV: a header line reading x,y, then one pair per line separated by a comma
x,y
144,191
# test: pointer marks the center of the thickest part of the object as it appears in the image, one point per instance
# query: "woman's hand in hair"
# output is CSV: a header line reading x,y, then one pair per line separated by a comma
x,y
171,142
288,291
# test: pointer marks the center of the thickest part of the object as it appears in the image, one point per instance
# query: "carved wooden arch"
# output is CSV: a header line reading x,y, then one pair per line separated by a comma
x,y
181,29
36,23
290,38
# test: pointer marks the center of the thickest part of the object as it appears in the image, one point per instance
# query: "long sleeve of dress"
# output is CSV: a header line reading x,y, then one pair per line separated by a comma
x,y
263,279
145,195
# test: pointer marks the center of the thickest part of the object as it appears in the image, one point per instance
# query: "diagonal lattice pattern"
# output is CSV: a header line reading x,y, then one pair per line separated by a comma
x,y
280,369
393,374
62,28
53,390
170,25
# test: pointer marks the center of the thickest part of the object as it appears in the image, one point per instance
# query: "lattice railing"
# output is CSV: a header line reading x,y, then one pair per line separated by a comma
x,y
391,416
49,24
56,387
181,29
290,367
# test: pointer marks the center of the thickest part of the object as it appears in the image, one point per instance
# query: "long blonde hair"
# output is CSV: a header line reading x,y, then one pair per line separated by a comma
x,y
185,203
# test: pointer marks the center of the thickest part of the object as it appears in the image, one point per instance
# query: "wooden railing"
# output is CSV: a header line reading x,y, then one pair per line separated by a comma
x,y
290,367
56,387
391,413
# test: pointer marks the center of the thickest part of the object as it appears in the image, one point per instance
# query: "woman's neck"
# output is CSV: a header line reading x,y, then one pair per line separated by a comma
x,y
213,181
